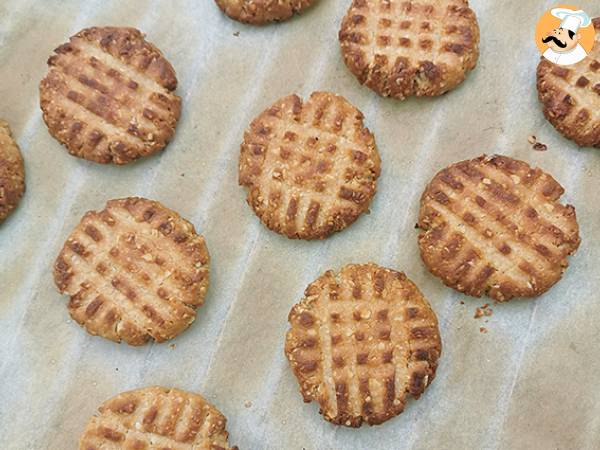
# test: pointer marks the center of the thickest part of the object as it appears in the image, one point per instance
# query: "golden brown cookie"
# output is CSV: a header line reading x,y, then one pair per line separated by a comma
x,y
361,342
402,48
311,168
156,418
571,96
495,226
135,271
109,96
260,12
12,172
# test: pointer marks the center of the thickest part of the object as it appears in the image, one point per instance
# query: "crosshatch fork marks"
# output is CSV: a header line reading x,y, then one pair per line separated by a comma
x,y
361,342
495,226
571,96
135,271
156,417
108,96
403,48
310,168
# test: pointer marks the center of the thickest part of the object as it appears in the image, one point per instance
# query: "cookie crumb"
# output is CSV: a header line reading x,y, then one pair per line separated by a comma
x,y
537,146
484,310
247,403
173,346
236,34
483,330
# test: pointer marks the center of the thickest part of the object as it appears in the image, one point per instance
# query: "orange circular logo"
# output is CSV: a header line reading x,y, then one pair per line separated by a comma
x,y
565,34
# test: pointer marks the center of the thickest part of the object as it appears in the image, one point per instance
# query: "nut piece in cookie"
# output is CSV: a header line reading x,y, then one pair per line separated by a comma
x,y
12,172
570,96
261,12
109,96
310,168
361,342
153,418
135,271
404,48
495,226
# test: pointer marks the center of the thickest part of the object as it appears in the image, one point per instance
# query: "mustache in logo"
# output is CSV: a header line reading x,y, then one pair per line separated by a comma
x,y
557,41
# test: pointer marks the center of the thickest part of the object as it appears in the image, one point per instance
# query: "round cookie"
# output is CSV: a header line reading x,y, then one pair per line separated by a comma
x,y
571,96
405,48
156,418
260,12
135,271
109,96
495,226
361,342
311,168
12,172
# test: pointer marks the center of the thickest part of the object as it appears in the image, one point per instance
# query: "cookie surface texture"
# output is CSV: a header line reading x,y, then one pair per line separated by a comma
x,y
12,172
361,342
495,226
109,96
260,12
156,418
135,271
405,48
310,169
570,96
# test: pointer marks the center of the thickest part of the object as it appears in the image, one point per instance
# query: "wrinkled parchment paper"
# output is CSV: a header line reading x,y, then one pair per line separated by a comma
x,y
530,382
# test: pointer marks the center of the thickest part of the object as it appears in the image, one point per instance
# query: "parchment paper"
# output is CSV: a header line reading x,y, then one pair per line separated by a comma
x,y
531,382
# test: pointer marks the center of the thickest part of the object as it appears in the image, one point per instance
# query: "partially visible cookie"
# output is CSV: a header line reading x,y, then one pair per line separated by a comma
x,y
109,96
12,172
404,48
571,96
361,342
310,168
260,12
495,226
156,418
135,271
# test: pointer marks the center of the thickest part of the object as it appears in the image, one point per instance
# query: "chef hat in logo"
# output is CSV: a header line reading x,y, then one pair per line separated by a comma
x,y
572,20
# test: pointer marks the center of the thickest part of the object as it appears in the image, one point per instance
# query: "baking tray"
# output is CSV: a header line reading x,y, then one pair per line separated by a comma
x,y
530,382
